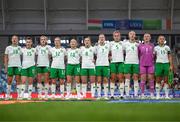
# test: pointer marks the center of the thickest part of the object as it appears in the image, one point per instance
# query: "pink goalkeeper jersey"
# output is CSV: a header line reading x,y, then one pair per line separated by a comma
x,y
146,55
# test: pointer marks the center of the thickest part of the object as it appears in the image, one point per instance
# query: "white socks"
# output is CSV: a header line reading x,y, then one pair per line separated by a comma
x,y
62,89
121,87
8,91
78,88
93,89
127,83
112,88
136,87
84,89
99,89
106,89
19,90
30,90
157,89
53,89
39,86
46,89
166,89
68,89
23,86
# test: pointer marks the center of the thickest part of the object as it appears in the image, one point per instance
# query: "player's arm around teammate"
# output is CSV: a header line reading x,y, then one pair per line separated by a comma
x,y
102,65
163,66
28,66
73,68
88,66
146,57
12,63
43,51
57,71
117,63
131,66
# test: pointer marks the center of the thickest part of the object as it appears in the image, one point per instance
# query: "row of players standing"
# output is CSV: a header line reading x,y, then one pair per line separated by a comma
x,y
127,60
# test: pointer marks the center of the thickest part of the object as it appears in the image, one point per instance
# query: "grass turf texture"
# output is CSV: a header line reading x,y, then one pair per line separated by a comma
x,y
90,111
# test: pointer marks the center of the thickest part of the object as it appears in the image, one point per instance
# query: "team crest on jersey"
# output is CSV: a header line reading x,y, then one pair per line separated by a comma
x,y
106,47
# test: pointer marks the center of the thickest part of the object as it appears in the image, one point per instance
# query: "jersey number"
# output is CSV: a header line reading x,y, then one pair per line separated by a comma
x,y
86,53
58,53
29,54
163,52
15,51
72,54
43,51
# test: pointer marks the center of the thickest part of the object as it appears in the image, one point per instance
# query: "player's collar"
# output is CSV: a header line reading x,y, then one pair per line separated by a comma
x,y
28,48
14,45
87,47
57,47
117,42
161,45
102,45
132,41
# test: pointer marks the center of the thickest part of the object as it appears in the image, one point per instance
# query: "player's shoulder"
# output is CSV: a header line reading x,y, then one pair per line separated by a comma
x,y
111,42
18,46
9,47
68,49
126,42
48,46
52,48
82,47
107,42
167,47
152,45
62,48
23,49
93,47
78,49
38,46
156,47
137,43
141,44
33,49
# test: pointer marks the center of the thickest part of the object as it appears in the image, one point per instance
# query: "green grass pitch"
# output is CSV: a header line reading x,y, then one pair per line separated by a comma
x,y
90,111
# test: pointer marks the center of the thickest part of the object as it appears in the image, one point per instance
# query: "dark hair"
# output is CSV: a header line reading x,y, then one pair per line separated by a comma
x,y
15,36
87,37
28,38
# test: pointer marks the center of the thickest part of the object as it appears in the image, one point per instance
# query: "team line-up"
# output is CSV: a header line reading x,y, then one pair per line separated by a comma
x,y
119,61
